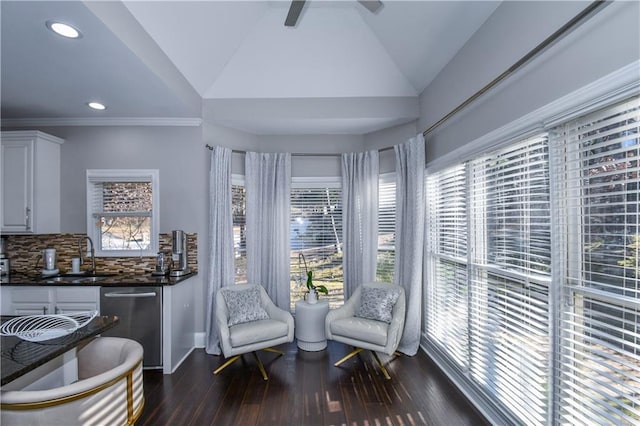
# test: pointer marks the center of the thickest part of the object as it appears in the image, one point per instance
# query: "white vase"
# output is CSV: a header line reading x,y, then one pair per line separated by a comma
x,y
312,297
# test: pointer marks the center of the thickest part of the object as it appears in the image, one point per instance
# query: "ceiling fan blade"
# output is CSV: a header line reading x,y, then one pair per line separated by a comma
x,y
294,13
372,5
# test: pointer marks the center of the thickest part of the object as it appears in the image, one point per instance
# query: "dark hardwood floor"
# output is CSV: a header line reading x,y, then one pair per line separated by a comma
x,y
304,388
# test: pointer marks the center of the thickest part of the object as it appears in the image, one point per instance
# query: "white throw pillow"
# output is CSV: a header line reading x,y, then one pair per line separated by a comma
x,y
244,306
377,303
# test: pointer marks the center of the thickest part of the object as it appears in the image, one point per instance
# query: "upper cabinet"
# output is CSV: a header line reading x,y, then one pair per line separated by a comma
x,y
30,183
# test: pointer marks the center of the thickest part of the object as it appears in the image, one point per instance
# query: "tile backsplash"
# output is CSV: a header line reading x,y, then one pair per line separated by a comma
x,y
24,252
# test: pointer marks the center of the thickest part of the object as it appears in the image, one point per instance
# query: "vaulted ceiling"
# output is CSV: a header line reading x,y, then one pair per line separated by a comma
x,y
341,69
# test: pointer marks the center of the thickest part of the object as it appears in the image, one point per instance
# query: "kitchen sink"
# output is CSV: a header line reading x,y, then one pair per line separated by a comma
x,y
74,279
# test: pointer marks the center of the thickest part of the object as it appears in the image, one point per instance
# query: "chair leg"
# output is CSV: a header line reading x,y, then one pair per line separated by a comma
x,y
351,354
275,351
384,370
260,366
255,354
226,364
356,351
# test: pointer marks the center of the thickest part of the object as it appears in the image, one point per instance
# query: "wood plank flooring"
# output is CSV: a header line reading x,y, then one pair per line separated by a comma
x,y
304,388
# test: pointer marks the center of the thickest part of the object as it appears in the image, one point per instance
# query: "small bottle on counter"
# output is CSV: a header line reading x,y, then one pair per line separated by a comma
x,y
160,266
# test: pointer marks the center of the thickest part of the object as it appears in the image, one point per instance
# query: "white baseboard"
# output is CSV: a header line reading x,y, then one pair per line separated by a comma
x,y
199,339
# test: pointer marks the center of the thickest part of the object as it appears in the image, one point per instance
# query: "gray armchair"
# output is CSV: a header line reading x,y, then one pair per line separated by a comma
x,y
372,318
248,321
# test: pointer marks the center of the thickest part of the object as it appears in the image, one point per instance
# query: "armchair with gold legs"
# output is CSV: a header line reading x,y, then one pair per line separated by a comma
x,y
372,318
249,321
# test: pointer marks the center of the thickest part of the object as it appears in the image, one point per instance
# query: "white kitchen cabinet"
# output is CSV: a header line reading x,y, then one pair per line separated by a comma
x,y
27,301
30,189
33,300
70,300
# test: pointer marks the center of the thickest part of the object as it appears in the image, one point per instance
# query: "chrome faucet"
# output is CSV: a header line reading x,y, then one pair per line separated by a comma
x,y
93,253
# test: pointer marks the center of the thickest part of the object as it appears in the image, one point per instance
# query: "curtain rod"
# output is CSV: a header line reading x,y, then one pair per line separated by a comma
x,y
301,154
577,20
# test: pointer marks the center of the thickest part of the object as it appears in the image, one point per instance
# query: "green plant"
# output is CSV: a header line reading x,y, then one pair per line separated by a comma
x,y
317,288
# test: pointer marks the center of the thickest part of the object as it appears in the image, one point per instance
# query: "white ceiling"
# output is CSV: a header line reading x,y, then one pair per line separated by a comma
x,y
342,69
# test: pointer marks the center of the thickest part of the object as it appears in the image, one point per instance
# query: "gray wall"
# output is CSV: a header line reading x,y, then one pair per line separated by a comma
x,y
179,154
607,42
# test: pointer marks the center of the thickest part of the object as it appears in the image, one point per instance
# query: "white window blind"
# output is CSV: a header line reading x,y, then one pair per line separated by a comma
x,y
488,269
386,227
316,232
446,309
238,203
122,211
509,332
598,160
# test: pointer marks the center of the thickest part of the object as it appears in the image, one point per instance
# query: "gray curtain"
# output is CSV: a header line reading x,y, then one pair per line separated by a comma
x,y
268,186
410,217
220,271
359,218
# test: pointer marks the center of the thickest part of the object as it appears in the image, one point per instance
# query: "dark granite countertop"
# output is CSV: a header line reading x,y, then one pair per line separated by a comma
x,y
21,356
102,280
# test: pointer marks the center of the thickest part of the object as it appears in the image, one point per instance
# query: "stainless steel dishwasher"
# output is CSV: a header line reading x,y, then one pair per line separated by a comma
x,y
140,312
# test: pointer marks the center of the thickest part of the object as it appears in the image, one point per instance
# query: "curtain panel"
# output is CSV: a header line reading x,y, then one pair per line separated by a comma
x,y
268,188
220,271
410,217
359,218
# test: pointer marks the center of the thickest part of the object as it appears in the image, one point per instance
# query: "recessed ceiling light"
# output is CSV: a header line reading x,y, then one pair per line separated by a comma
x,y
65,30
96,105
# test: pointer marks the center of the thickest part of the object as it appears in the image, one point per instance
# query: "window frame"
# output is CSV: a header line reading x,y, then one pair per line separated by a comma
x,y
240,278
329,182
152,176
386,181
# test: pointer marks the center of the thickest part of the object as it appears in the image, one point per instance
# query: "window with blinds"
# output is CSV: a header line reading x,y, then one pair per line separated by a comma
x,y
446,307
386,227
122,211
238,205
599,353
533,270
489,262
316,233
509,340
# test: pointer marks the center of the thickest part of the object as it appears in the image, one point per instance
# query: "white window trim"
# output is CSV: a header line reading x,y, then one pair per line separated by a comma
x,y
113,175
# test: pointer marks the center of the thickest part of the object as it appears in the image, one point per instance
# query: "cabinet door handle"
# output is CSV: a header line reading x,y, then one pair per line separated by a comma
x,y
57,310
44,310
28,218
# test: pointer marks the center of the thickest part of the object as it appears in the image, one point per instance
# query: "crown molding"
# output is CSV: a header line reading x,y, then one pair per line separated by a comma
x,y
105,121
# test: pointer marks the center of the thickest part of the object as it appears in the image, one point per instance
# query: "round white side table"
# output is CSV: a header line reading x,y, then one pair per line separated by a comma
x,y
310,325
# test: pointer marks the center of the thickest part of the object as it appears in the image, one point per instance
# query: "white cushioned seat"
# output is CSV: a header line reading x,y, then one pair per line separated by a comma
x,y
353,325
360,329
248,334
257,331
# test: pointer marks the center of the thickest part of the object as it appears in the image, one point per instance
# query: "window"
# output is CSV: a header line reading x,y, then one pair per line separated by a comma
x,y
122,211
598,163
238,202
533,270
386,227
447,293
316,232
509,320
489,265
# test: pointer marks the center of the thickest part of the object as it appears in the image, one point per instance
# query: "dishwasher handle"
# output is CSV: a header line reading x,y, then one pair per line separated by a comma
x,y
131,295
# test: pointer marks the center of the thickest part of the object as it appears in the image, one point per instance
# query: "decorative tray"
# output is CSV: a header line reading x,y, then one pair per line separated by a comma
x,y
37,328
